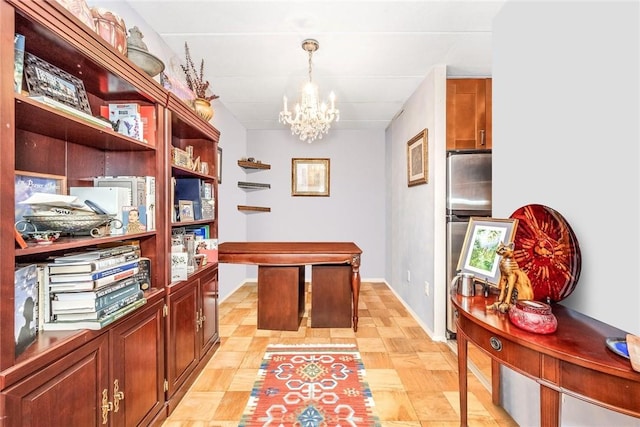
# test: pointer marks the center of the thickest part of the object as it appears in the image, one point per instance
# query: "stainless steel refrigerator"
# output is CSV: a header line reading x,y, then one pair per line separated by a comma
x,y
468,194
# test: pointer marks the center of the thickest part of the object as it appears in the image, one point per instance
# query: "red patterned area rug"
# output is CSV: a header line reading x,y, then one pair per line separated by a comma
x,y
310,386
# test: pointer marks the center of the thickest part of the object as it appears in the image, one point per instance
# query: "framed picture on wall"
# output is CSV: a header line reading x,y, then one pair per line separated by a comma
x,y
310,177
478,255
417,159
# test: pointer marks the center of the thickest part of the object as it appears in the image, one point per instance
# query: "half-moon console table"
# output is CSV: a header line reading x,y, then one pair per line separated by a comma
x,y
281,275
574,360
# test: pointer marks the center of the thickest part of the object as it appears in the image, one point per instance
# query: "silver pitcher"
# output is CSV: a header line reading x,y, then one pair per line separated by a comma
x,y
464,284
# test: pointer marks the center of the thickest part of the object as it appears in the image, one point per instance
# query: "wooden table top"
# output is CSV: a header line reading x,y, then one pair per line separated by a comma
x,y
288,253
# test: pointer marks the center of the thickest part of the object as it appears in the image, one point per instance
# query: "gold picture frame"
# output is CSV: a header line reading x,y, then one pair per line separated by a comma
x,y
418,159
310,177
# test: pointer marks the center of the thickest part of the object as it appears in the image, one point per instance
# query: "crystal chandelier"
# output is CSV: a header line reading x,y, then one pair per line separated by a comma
x,y
312,120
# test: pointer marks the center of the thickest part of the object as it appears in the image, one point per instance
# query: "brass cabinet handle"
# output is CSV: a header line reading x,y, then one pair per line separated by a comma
x,y
106,406
117,396
198,320
482,137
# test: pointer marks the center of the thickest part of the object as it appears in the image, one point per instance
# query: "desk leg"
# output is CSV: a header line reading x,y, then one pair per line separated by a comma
x,y
549,407
462,376
495,382
355,288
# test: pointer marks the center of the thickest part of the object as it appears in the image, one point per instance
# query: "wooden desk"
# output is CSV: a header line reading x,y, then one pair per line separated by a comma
x,y
270,254
574,360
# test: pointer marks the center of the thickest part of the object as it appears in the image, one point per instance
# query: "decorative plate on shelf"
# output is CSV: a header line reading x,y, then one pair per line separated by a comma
x,y
547,250
618,346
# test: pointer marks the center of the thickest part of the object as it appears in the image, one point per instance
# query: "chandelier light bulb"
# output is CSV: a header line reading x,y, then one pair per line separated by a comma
x,y
312,118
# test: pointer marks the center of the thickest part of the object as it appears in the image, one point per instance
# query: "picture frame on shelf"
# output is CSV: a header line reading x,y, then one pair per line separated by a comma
x,y
310,177
418,159
478,255
186,210
219,166
44,79
28,183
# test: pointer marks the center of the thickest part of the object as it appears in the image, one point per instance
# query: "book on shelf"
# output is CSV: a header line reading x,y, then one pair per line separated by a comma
x,y
95,253
208,208
72,111
113,270
128,118
146,114
25,306
91,266
95,324
144,273
98,314
87,285
79,302
150,201
200,231
134,219
18,67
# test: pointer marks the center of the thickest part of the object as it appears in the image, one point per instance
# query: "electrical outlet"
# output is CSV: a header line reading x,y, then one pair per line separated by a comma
x,y
426,288
408,275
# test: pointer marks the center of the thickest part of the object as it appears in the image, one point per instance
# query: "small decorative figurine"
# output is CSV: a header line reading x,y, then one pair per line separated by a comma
x,y
511,278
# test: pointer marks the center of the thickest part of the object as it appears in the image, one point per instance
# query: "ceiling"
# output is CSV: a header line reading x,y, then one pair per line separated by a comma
x,y
373,54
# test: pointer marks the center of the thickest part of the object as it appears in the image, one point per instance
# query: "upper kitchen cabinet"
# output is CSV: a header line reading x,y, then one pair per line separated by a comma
x,y
469,114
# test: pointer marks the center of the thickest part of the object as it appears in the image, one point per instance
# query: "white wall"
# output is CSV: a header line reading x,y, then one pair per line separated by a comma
x,y
566,91
416,215
354,211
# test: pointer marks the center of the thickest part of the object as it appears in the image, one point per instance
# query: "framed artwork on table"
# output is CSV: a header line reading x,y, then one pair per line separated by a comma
x,y
44,79
478,255
310,177
417,159
28,183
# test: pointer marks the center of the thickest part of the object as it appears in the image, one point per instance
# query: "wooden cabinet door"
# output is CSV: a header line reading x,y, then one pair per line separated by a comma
x,y
467,125
183,351
208,310
68,392
137,361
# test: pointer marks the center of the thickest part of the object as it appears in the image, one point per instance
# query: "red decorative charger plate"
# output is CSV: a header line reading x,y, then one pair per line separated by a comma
x,y
547,250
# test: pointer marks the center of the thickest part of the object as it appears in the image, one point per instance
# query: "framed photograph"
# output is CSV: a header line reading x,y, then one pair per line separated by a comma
x,y
417,159
310,177
219,166
483,236
186,210
44,79
28,183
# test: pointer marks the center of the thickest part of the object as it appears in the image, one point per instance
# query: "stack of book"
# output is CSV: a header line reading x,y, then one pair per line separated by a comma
x,y
89,290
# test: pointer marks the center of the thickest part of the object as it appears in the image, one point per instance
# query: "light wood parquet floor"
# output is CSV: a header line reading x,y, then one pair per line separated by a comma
x,y
414,381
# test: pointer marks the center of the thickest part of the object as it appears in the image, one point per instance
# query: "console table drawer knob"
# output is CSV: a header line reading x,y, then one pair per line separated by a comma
x,y
496,344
